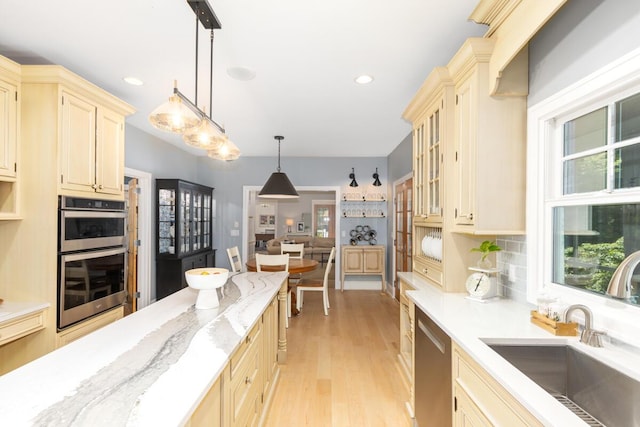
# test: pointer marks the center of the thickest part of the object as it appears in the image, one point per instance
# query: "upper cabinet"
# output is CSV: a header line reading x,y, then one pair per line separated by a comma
x,y
489,148
431,112
9,132
89,132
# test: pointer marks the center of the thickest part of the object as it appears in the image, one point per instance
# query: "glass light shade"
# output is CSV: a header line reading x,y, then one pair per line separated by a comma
x,y
173,116
226,151
205,135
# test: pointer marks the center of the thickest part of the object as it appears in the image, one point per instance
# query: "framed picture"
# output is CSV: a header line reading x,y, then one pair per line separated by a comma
x,y
300,227
264,219
272,220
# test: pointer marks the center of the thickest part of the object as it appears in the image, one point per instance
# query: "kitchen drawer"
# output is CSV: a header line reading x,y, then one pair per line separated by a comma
x,y
21,326
250,342
429,269
86,327
246,388
494,402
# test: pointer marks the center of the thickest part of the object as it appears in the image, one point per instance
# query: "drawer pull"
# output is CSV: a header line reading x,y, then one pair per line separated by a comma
x,y
248,339
424,270
247,380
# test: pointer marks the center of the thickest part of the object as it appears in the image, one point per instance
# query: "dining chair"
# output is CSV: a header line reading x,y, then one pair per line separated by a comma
x,y
234,259
295,251
317,285
282,261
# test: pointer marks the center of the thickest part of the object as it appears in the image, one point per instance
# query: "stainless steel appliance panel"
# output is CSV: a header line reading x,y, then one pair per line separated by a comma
x,y
432,373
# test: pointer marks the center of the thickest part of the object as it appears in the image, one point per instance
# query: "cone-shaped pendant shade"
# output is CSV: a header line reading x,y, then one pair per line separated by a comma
x,y
278,185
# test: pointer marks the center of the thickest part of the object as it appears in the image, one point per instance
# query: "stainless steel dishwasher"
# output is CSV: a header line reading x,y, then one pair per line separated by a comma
x,y
432,374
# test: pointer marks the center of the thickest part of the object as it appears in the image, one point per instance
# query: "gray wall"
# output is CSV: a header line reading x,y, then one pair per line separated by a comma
x,y
582,37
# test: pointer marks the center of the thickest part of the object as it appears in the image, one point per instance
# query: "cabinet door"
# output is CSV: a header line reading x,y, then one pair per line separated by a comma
x,y
78,157
465,153
270,345
372,260
419,167
433,152
467,414
110,152
8,129
353,262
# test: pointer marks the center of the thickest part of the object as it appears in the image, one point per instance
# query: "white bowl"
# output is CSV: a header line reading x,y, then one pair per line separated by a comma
x,y
206,281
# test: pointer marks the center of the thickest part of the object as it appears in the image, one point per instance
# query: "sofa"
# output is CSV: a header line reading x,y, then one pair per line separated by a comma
x,y
317,248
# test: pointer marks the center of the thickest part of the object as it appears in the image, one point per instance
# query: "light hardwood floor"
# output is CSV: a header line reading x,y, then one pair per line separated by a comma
x,y
342,369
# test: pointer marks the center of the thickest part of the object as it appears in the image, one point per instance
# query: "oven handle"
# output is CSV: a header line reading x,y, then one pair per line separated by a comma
x,y
94,254
93,214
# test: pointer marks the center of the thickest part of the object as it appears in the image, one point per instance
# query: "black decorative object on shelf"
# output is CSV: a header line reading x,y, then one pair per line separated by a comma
x,y
363,234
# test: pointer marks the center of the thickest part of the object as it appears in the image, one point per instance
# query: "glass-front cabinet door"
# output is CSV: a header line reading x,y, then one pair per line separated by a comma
x,y
183,218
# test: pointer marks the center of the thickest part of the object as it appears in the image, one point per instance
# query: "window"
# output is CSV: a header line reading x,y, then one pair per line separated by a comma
x,y
592,192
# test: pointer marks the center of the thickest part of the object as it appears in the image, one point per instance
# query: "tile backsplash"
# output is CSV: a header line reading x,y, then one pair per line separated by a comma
x,y
512,259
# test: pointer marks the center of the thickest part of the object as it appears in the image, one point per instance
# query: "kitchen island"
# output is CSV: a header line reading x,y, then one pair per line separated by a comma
x,y
472,325
151,368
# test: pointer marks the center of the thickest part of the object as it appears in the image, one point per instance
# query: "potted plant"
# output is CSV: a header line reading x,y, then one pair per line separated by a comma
x,y
485,249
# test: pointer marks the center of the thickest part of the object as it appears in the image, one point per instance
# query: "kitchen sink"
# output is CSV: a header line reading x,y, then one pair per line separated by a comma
x,y
596,392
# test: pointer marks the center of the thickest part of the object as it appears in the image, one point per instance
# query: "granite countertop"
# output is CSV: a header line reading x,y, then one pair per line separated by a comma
x,y
471,324
148,369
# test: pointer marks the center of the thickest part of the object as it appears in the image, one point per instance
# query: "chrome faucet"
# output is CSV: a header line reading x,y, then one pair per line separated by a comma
x,y
588,336
620,283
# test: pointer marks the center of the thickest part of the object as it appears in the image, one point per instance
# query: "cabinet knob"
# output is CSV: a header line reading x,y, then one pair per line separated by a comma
x,y
424,270
100,186
471,216
94,186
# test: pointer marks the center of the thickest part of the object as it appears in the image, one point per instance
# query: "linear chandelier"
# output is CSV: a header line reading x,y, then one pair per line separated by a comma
x,y
180,115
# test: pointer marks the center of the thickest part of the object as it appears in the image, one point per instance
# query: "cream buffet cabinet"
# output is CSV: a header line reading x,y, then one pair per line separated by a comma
x,y
363,261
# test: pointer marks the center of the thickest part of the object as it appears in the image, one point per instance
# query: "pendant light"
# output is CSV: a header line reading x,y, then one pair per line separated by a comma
x,y
278,185
376,178
180,115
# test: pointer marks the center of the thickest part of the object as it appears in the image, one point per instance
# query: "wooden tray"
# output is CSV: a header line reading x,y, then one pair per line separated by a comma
x,y
556,328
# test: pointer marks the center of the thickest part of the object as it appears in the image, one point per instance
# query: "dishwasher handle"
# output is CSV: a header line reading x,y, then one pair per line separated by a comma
x,y
432,336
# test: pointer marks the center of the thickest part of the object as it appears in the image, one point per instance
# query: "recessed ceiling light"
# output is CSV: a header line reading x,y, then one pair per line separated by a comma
x,y
133,81
364,79
241,73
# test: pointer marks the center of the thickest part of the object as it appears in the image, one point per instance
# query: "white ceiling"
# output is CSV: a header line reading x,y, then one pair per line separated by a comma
x,y
305,54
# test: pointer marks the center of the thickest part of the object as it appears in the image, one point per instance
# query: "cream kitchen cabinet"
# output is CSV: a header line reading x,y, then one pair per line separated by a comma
x,y
92,147
431,114
407,337
9,137
489,143
86,125
480,401
363,261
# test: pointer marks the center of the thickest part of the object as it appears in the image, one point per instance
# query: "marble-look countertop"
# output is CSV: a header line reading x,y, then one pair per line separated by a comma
x,y
472,324
10,310
150,368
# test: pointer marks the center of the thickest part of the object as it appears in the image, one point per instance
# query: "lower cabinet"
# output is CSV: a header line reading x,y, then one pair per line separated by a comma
x,y
479,400
242,393
363,260
170,272
81,329
407,330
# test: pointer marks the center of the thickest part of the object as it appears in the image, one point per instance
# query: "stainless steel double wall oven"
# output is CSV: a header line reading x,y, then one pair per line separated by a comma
x,y
92,257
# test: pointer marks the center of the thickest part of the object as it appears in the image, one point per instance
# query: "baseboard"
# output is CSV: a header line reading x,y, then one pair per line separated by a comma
x,y
362,285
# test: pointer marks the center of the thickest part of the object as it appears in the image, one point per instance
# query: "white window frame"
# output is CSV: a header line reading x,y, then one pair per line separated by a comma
x,y
619,320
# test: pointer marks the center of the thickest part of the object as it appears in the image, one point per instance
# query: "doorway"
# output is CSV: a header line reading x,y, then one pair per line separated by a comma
x,y
250,201
143,242
403,207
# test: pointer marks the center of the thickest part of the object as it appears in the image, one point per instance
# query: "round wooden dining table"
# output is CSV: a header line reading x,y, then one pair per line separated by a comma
x,y
295,265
